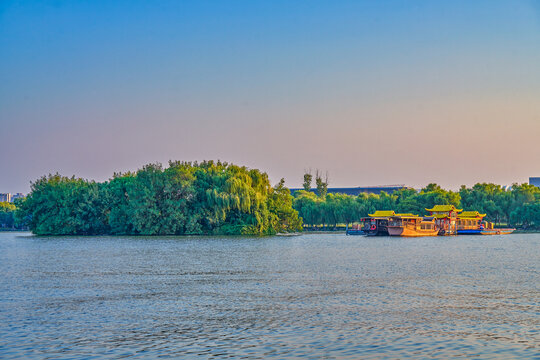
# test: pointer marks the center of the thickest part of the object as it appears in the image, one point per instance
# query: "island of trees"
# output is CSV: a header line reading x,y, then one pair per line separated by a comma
x,y
220,198
185,198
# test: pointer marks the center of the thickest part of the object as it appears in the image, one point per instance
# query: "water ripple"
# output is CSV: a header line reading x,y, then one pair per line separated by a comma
x,y
313,296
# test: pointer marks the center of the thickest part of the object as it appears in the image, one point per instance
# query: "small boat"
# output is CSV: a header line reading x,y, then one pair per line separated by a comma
x,y
495,231
354,230
412,225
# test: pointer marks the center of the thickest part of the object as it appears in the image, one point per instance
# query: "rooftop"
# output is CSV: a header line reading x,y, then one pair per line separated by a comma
x,y
471,215
444,208
383,213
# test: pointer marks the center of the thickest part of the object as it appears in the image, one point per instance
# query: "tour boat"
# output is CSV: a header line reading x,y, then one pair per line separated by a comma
x,y
412,225
472,223
377,223
445,218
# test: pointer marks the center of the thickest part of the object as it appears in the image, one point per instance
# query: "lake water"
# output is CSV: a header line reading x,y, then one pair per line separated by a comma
x,y
314,296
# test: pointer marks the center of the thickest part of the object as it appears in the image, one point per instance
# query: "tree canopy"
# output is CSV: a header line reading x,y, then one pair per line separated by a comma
x,y
184,198
7,215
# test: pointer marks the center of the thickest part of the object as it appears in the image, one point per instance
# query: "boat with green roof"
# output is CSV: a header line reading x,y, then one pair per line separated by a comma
x,y
445,218
377,223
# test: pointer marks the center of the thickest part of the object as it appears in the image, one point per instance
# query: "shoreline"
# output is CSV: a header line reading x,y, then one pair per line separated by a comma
x,y
307,232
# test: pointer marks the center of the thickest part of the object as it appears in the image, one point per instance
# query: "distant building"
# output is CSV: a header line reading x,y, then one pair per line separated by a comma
x,y
534,181
359,190
8,197
17,196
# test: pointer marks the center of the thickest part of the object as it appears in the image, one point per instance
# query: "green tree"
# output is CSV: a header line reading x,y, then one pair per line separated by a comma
x,y
284,216
185,198
7,215
308,206
60,205
308,178
322,185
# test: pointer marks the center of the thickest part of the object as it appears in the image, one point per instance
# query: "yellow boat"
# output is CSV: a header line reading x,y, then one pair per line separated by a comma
x,y
445,218
412,225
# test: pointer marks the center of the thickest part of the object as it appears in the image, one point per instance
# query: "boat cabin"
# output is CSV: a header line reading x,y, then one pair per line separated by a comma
x,y
377,223
411,225
470,220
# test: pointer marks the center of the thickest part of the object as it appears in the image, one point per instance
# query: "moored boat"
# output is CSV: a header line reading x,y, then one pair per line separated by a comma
x,y
472,223
412,225
445,218
377,223
497,231
355,229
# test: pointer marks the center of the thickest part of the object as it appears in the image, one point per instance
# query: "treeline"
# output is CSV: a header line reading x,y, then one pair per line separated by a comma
x,y
184,198
220,198
519,206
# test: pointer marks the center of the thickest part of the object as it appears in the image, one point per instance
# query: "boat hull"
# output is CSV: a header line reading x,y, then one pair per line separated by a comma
x,y
355,232
409,232
382,231
486,232
497,231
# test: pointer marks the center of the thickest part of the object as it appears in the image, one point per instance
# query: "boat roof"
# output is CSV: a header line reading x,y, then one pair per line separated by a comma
x,y
444,208
383,213
471,215
405,216
439,216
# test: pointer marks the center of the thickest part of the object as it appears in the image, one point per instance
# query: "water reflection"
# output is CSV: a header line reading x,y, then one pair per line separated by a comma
x,y
315,296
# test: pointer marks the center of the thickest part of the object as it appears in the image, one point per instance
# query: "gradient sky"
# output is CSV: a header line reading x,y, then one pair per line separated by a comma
x,y
374,92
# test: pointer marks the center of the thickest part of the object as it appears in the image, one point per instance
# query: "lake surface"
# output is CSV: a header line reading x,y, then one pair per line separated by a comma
x,y
314,296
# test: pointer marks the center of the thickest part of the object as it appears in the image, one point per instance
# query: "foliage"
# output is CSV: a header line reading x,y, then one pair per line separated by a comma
x,y
307,181
61,205
322,185
185,198
284,218
7,215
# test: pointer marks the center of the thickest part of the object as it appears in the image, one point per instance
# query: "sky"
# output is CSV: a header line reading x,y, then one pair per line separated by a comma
x,y
372,92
